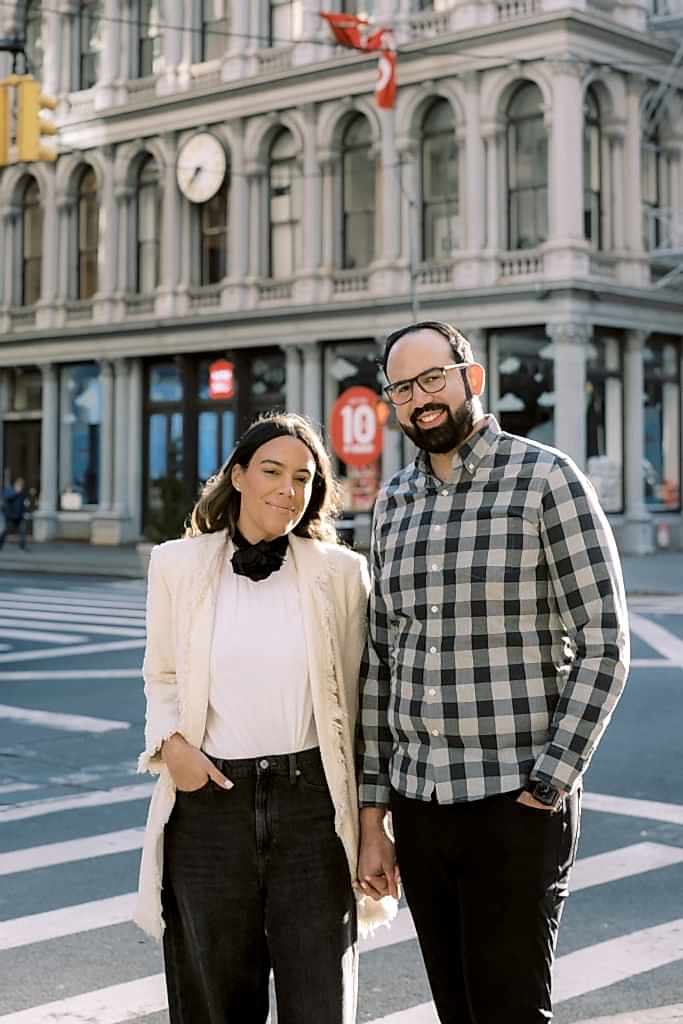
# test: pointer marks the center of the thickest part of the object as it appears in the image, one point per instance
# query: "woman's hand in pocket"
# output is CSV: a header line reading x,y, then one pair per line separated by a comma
x,y
190,768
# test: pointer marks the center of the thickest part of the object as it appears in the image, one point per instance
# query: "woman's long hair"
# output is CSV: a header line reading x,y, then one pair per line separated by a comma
x,y
218,507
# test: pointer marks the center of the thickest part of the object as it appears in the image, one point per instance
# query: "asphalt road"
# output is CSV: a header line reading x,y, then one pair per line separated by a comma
x,y
72,807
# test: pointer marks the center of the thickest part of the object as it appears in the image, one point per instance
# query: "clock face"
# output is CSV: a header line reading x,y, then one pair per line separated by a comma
x,y
201,167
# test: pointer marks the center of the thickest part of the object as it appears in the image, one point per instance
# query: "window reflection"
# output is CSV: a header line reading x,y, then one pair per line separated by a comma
x,y
80,419
604,419
526,403
662,452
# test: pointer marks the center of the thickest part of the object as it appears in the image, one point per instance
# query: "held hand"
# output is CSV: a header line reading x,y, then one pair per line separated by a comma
x,y
190,769
378,873
530,801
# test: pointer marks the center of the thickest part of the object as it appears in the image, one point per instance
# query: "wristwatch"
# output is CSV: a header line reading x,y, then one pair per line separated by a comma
x,y
545,794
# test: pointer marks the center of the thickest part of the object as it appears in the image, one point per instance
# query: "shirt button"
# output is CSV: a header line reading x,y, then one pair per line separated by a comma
x,y
432,650
435,732
470,466
435,608
263,763
432,693
435,567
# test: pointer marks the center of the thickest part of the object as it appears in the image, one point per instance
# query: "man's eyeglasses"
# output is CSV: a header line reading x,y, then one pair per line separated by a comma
x,y
430,381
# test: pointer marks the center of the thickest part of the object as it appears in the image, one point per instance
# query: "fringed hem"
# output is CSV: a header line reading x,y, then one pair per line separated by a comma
x,y
373,914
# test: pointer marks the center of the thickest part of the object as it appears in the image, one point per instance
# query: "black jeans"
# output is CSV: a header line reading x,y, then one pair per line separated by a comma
x,y
20,526
486,882
256,876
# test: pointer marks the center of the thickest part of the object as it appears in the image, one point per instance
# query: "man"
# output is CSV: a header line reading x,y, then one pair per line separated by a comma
x,y
14,507
498,648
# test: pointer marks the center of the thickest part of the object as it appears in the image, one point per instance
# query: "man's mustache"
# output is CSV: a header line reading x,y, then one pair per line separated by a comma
x,y
426,408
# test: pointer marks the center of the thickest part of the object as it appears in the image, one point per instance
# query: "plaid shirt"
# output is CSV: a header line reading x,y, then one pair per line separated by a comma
x,y
498,639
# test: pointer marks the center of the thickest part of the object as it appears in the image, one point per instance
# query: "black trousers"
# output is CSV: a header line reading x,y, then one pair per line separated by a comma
x,y
256,877
486,882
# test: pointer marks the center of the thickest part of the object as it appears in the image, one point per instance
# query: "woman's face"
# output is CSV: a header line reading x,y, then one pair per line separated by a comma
x,y
275,488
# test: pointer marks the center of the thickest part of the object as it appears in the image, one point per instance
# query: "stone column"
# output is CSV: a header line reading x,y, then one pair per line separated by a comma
x,y
293,386
386,275
106,435
50,260
306,286
569,344
234,287
258,219
331,230
312,382
135,453
477,338
637,536
617,213
238,60
173,17
566,251
8,216
45,518
52,29
121,435
110,58
634,267
107,262
65,283
472,193
493,134
172,241
127,259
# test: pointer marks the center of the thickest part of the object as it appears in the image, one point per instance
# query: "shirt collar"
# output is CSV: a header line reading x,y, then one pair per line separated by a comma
x,y
471,453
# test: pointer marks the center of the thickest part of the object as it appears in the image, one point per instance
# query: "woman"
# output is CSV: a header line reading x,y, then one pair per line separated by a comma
x,y
255,629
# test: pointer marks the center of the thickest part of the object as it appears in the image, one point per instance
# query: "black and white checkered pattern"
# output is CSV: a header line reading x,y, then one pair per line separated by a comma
x,y
498,642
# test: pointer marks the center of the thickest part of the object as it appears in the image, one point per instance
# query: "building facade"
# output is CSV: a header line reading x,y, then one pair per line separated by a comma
x,y
528,187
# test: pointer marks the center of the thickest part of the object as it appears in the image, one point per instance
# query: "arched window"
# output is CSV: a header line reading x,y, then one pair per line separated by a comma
x,y
148,221
213,228
34,37
286,204
89,42
652,173
149,38
87,234
31,243
286,21
215,29
527,169
592,171
358,194
440,204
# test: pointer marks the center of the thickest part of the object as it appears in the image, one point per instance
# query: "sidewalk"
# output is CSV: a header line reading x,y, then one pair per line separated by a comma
x,y
660,573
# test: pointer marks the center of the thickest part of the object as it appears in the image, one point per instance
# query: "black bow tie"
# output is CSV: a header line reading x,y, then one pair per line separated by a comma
x,y
258,561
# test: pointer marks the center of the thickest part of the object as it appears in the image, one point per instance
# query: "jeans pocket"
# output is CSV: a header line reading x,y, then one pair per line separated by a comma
x,y
313,777
195,792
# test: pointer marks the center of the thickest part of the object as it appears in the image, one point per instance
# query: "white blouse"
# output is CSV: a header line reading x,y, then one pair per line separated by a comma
x,y
260,696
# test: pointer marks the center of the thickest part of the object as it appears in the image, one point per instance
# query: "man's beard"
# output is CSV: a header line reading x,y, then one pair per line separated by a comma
x,y
448,435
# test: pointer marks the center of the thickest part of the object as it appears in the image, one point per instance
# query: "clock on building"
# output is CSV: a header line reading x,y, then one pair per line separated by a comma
x,y
201,167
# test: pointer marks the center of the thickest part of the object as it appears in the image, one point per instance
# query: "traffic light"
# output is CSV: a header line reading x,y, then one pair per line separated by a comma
x,y
30,125
5,126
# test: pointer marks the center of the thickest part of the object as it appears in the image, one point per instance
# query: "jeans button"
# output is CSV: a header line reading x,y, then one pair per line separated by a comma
x,y
263,763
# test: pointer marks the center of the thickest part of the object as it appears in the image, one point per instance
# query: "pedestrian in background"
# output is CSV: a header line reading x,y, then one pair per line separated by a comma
x,y
255,631
498,647
14,509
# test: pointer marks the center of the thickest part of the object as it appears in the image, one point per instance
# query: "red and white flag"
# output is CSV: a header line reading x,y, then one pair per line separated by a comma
x,y
357,34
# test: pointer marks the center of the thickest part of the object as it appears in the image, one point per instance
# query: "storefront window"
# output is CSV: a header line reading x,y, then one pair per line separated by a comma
x,y
525,403
662,446
267,383
165,383
604,421
25,390
79,436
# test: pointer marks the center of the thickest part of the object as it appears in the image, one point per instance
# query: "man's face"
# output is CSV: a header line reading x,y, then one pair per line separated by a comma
x,y
437,422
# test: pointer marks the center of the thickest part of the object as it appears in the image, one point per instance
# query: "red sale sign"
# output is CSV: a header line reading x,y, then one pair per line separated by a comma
x,y
355,429
221,379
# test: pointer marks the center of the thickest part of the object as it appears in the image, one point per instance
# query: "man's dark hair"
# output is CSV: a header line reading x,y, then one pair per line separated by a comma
x,y
461,347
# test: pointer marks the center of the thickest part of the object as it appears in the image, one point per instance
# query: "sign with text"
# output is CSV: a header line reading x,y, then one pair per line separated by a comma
x,y
221,379
354,427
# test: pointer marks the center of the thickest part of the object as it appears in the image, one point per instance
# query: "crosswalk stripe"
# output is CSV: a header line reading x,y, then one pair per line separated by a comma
x,y
17,787
97,798
118,617
56,652
657,1015
58,720
111,1005
633,808
76,673
70,627
625,862
50,854
96,596
56,924
654,663
658,638
35,634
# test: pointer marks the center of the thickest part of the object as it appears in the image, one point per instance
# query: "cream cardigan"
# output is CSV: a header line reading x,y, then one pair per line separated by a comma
x,y
181,602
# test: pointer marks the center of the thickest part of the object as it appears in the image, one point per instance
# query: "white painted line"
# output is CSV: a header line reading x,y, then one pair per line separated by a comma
x,y
78,605
55,924
57,652
69,627
424,1013
17,787
659,639
62,615
57,720
632,808
77,673
5,647
102,593
97,798
50,854
657,1015
623,863
615,960
106,1006
653,663
35,634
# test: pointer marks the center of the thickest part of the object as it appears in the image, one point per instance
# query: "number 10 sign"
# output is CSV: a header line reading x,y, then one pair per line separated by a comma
x,y
355,430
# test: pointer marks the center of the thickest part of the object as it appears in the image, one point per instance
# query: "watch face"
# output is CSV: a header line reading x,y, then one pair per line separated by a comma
x,y
201,167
